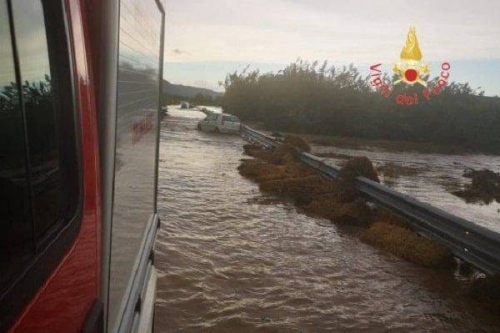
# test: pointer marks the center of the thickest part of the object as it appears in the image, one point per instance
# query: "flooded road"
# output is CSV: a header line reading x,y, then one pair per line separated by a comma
x,y
231,261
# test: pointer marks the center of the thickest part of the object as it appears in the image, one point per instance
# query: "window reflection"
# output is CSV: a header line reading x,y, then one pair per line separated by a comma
x,y
16,229
39,104
137,114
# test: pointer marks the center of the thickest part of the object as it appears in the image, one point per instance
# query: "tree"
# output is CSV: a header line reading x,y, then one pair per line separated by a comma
x,y
338,101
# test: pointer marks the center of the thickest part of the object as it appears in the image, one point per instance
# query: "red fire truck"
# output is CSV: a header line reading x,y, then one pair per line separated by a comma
x,y
80,84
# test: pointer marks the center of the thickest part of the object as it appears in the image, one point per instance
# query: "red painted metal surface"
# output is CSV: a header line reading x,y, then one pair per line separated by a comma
x,y
61,305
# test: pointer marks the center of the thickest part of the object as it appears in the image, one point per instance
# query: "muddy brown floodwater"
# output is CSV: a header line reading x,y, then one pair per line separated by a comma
x,y
232,260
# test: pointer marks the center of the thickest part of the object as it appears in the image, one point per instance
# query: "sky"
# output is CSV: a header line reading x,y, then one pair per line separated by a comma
x,y
205,40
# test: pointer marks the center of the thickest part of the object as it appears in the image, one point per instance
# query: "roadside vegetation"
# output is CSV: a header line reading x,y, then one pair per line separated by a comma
x,y
309,98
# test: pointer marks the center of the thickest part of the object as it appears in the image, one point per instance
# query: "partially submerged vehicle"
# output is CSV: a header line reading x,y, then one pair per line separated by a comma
x,y
187,105
220,123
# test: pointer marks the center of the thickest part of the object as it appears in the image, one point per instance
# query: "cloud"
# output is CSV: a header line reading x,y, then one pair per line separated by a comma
x,y
348,31
361,32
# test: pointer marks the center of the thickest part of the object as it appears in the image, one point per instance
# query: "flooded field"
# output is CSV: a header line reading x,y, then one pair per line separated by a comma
x,y
232,260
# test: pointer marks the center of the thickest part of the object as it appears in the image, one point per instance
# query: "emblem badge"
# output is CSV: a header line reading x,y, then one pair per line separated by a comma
x,y
411,69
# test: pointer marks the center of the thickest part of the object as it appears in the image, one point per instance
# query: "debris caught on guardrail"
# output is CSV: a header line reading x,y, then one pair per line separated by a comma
x,y
342,204
250,149
386,216
359,166
260,171
302,189
278,172
356,213
284,154
406,244
297,142
257,152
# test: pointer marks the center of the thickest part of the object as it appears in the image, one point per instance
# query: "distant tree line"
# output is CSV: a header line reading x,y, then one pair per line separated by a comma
x,y
198,99
321,99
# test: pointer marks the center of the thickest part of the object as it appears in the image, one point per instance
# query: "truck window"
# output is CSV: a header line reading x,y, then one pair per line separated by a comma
x,y
40,111
39,171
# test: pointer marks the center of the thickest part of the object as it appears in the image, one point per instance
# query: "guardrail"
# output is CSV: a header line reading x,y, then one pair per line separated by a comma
x,y
262,139
476,245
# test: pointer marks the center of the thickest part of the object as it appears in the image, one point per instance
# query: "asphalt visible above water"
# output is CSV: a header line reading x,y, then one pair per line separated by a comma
x,y
233,260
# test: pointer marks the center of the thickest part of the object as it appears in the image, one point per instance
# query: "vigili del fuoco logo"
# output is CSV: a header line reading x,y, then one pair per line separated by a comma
x,y
413,71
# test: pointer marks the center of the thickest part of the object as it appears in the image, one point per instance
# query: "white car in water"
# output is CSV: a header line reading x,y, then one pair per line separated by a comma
x,y
220,123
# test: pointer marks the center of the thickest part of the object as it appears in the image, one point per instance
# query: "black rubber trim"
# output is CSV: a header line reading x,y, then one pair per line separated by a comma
x,y
94,323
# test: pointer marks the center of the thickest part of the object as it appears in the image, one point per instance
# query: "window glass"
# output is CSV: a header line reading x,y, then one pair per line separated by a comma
x,y
136,126
39,185
40,106
230,119
16,228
